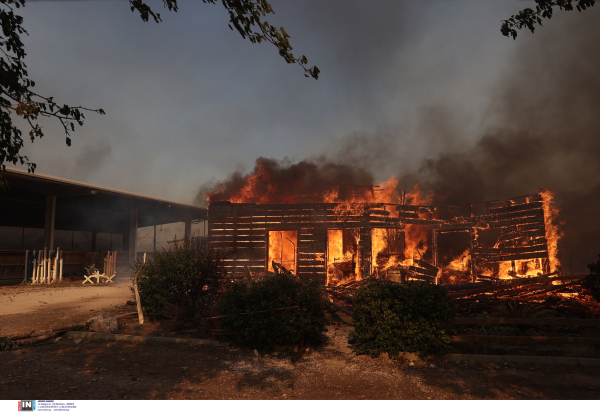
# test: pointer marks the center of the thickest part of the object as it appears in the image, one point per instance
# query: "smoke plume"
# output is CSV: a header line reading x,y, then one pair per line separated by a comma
x,y
542,129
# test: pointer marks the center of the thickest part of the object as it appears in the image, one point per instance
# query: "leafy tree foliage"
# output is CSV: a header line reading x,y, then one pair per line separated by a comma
x,y
17,97
592,281
183,282
543,10
257,331
403,317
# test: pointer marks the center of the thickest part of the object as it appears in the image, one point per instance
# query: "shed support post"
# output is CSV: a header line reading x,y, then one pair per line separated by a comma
x,y
133,226
188,229
49,222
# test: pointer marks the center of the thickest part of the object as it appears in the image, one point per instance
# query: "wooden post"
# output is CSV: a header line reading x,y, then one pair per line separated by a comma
x,y
60,271
137,295
473,265
55,274
114,267
434,247
34,268
248,274
44,269
26,267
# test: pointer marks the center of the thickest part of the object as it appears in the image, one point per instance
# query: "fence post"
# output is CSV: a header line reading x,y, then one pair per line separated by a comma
x,y
60,272
26,267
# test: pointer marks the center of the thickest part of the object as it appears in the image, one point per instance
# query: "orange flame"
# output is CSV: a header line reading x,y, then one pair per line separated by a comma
x,y
553,228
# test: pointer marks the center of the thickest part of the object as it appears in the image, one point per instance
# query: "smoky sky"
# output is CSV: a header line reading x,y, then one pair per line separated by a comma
x,y
540,129
429,91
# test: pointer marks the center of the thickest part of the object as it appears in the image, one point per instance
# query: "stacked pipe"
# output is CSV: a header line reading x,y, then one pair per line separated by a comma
x,y
47,269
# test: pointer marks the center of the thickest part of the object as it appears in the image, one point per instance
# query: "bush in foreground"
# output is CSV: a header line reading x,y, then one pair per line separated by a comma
x,y
403,317
182,282
262,332
592,281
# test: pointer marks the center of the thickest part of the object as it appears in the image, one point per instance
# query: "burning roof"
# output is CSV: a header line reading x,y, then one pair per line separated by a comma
x,y
329,230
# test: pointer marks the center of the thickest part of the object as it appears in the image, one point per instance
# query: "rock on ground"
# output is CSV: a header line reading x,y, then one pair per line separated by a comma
x,y
105,322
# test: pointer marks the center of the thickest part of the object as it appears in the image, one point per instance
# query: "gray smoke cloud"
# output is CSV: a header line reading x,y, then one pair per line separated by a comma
x,y
541,129
92,158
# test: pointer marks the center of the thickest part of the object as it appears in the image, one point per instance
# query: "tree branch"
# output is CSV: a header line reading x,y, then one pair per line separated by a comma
x,y
543,10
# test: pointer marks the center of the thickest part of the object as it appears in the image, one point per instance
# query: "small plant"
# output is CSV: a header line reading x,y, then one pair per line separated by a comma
x,y
183,282
592,281
257,331
91,270
7,344
515,309
403,317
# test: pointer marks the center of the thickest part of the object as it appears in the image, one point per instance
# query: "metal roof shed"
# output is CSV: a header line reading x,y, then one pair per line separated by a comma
x,y
51,203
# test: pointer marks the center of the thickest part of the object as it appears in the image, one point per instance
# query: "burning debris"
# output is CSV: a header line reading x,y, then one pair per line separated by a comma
x,y
336,233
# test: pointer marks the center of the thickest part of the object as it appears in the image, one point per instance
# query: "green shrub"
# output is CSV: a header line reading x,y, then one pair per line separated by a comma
x,y
402,317
262,332
182,282
515,309
592,281
7,344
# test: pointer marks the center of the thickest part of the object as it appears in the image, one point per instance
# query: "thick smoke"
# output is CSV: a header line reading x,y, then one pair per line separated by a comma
x,y
284,181
542,130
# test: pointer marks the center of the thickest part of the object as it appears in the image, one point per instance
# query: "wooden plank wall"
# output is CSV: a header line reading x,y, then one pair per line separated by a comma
x,y
12,265
74,261
312,251
239,231
523,233
238,234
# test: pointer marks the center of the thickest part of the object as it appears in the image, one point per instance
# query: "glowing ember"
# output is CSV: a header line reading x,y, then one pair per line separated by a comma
x,y
553,230
400,236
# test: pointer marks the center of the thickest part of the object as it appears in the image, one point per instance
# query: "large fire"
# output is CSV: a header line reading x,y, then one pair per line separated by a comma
x,y
404,246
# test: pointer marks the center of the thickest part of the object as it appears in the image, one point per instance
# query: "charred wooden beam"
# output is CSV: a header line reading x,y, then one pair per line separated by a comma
x,y
473,262
523,227
515,208
510,250
434,247
516,256
427,266
468,225
519,221
421,271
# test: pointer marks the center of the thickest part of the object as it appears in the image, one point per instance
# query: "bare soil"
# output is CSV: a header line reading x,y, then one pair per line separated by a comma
x,y
90,369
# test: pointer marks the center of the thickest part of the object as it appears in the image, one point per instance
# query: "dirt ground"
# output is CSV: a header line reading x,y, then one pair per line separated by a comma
x,y
89,369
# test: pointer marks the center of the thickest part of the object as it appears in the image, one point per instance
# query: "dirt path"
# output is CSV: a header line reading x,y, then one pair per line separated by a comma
x,y
88,369
27,308
122,370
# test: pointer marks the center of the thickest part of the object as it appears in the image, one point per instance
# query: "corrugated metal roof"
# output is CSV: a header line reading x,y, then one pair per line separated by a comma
x,y
67,182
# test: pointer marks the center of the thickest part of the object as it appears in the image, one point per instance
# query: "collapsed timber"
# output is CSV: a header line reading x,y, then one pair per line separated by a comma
x,y
564,295
334,243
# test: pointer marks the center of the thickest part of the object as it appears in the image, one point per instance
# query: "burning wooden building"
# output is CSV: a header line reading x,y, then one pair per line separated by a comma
x,y
371,233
